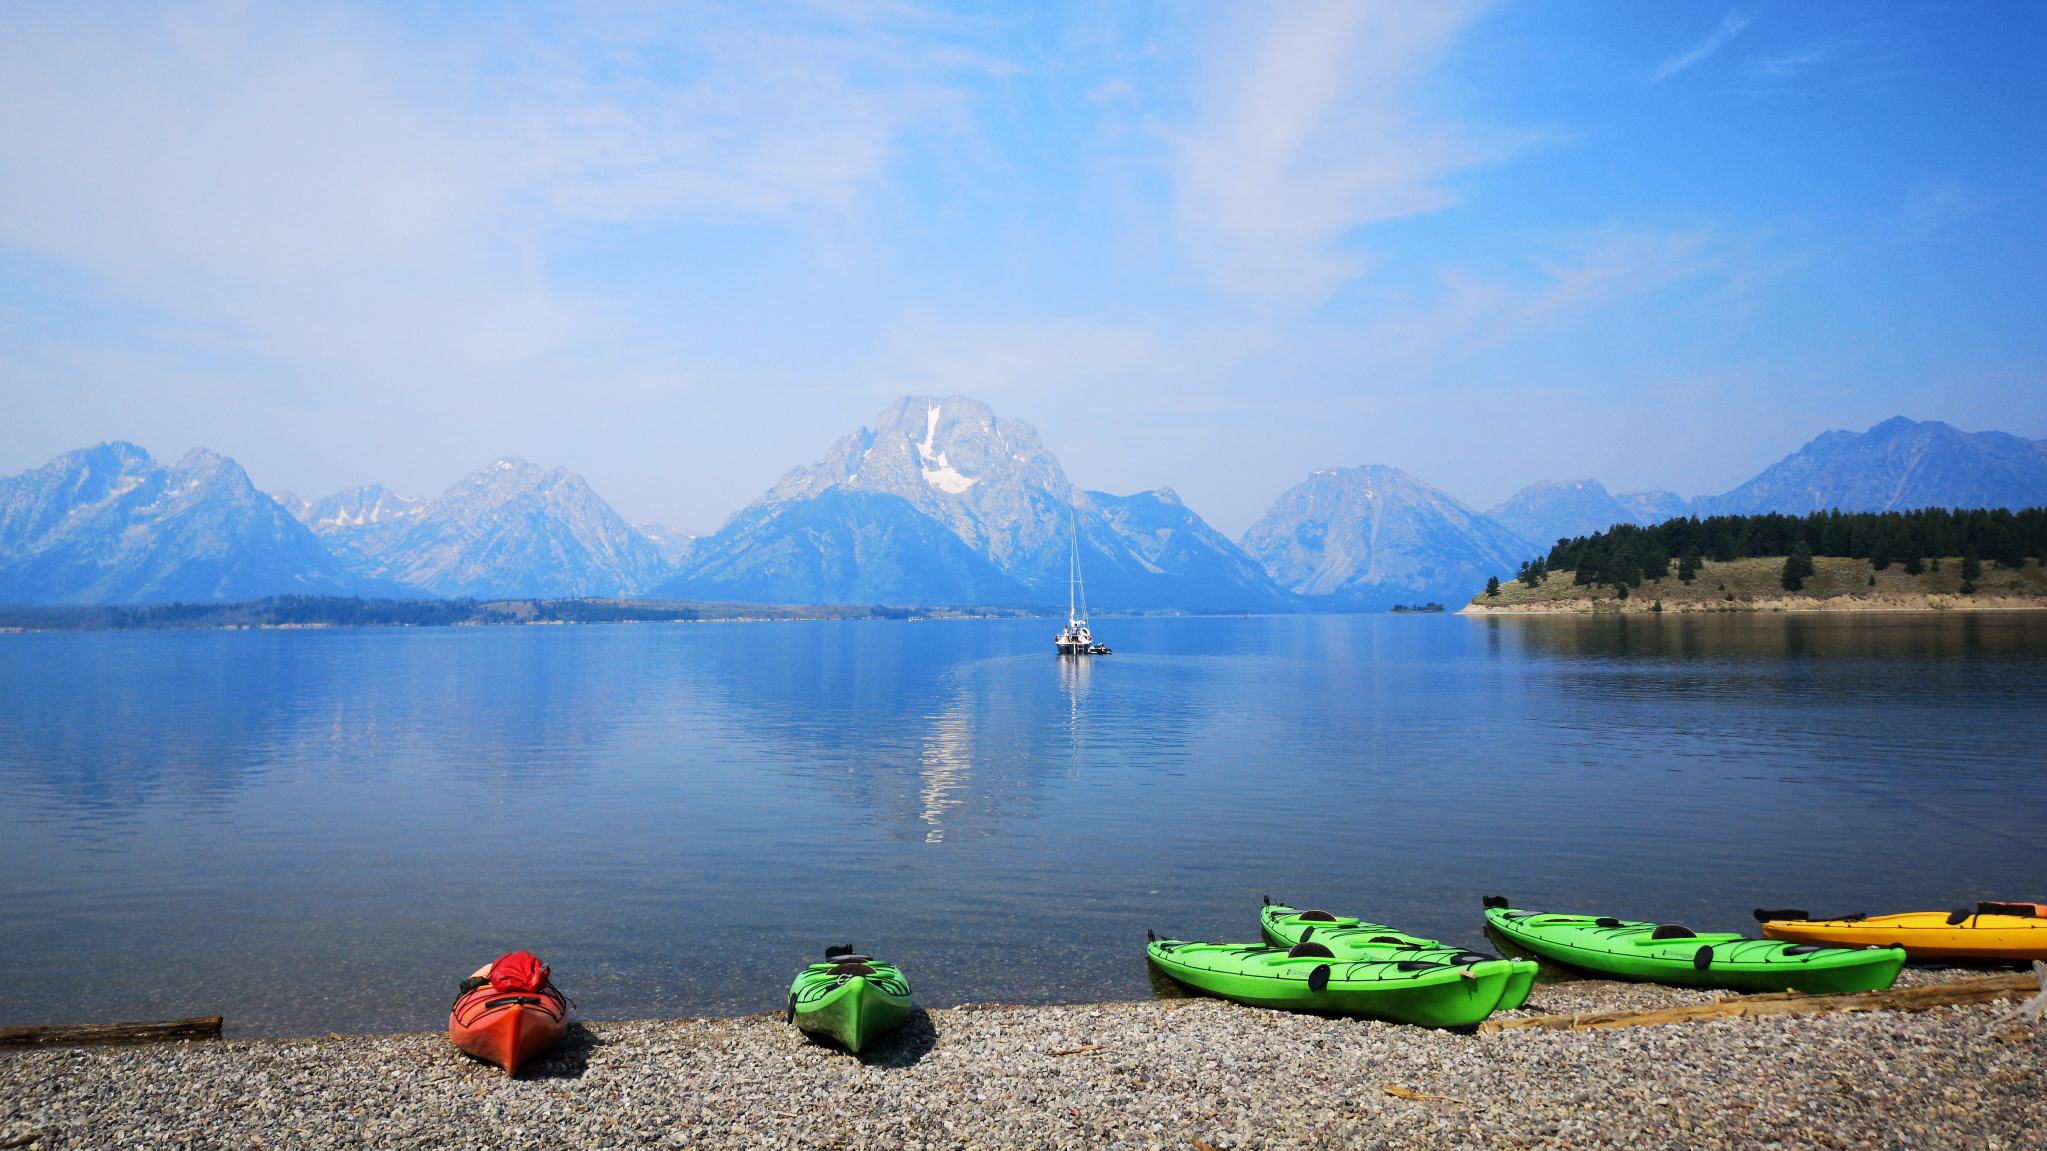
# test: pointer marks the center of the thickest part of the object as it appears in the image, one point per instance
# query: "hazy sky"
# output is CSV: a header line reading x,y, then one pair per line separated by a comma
x,y
679,248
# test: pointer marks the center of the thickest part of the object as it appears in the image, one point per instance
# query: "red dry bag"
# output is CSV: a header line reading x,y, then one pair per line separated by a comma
x,y
519,971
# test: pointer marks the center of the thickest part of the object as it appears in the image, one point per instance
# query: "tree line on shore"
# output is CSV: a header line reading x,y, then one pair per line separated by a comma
x,y
330,611
1626,554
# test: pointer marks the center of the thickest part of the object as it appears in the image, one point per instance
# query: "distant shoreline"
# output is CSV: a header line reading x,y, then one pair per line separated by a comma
x,y
1755,585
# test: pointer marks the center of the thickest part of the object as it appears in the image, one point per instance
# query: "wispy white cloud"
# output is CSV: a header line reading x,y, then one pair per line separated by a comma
x,y
1789,62
1730,27
1307,130
1930,207
324,185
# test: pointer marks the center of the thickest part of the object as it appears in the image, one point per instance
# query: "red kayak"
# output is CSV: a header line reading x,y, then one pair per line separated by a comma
x,y
509,1012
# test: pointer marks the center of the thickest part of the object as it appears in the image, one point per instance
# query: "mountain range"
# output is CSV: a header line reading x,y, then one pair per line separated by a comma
x,y
940,501
508,530
1896,465
111,525
952,468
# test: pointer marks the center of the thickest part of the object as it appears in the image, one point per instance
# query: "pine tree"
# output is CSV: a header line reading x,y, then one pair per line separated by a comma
x,y
1723,547
1492,584
1797,567
1688,565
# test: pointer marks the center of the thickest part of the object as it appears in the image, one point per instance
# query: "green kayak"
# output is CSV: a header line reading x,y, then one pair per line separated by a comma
x,y
1674,954
1309,977
1349,938
849,998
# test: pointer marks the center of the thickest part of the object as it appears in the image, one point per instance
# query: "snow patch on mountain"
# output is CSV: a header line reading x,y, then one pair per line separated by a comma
x,y
944,477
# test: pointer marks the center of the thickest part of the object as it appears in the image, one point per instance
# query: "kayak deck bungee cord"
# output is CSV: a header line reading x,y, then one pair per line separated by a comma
x,y
1310,977
1674,954
1354,939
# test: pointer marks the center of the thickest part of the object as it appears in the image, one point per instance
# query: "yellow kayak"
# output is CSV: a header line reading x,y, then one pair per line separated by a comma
x,y
1988,933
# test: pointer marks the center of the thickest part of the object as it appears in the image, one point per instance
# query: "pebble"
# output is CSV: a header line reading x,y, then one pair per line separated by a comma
x,y
1159,1074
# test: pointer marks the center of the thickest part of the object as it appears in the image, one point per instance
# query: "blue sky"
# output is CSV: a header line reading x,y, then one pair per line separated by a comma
x,y
681,248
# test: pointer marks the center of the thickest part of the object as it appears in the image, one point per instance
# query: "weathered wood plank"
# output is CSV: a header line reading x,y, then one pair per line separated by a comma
x,y
104,1034
1791,1003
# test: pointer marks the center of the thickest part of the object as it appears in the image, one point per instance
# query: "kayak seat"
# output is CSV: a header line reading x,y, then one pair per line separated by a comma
x,y
1606,921
1673,931
851,969
2021,910
1315,917
1788,913
1309,951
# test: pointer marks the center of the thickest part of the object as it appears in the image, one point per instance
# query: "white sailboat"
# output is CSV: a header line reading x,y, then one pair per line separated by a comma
x,y
1076,639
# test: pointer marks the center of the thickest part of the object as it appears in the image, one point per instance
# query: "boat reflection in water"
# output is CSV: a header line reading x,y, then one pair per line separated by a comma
x,y
1075,638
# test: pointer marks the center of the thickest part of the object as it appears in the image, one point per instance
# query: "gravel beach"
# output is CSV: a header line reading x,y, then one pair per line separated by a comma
x,y
1170,1073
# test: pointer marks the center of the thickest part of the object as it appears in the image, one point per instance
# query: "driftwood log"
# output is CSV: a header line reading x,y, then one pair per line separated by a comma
x,y
106,1034
1791,1003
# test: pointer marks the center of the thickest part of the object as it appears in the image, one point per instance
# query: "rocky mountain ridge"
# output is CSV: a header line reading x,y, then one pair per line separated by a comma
x,y
509,529
940,501
1365,538
1897,464
109,524
990,482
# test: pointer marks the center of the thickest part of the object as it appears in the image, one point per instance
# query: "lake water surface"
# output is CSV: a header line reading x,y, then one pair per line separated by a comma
x,y
324,830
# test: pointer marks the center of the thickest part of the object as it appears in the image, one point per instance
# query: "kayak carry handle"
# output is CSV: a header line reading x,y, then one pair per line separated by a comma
x,y
1763,916
1495,902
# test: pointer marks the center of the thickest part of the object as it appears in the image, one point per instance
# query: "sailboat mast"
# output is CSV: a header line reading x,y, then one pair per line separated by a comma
x,y
1072,572
1079,580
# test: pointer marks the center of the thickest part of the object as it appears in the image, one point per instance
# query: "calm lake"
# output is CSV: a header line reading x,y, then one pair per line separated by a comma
x,y
323,830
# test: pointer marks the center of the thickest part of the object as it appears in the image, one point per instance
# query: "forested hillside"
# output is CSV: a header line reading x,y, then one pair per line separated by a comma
x,y
1627,553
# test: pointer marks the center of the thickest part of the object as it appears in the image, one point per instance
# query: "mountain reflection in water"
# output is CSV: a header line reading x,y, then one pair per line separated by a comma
x,y
321,830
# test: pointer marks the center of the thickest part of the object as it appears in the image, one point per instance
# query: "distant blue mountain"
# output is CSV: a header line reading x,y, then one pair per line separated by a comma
x,y
1897,464
1366,538
508,530
989,484
1193,566
1653,507
1543,513
108,525
839,546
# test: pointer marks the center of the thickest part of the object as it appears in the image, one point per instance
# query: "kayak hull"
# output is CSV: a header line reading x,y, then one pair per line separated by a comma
x,y
508,1028
1421,993
1927,936
852,1009
1622,949
1352,938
